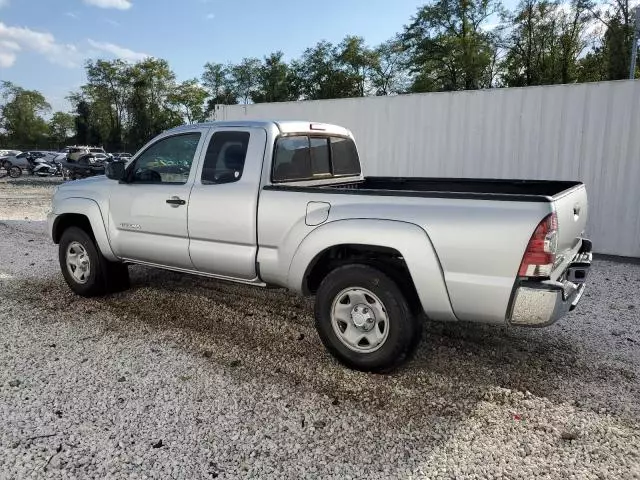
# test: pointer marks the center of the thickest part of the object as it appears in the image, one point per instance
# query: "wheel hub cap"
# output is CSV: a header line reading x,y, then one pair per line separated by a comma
x,y
359,319
363,317
78,262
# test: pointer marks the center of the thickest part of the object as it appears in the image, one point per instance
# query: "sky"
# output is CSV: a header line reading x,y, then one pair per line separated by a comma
x,y
43,43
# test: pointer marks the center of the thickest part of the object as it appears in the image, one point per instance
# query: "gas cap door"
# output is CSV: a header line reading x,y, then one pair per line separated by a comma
x,y
317,213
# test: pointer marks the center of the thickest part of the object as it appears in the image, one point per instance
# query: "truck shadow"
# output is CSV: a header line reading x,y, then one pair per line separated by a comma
x,y
270,333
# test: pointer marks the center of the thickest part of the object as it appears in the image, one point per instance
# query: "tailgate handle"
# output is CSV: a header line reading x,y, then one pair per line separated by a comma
x,y
576,211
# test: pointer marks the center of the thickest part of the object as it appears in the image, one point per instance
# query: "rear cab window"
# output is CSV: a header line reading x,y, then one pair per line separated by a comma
x,y
314,157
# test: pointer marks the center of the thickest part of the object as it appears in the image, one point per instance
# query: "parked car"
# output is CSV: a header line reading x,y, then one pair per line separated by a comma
x,y
87,165
123,156
12,171
75,152
286,204
6,153
25,160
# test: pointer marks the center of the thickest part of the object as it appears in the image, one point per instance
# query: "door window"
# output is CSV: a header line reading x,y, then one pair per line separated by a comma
x,y
225,157
166,161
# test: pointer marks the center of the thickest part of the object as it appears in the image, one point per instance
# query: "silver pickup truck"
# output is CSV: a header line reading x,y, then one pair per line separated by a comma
x,y
286,204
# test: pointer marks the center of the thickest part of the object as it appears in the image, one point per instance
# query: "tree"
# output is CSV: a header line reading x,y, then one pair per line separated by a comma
x,y
22,112
108,88
149,105
358,62
61,127
544,43
320,74
447,47
592,67
244,78
189,97
216,80
618,18
276,81
389,75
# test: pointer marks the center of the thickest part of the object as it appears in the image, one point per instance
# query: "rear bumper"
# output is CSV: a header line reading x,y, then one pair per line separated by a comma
x,y
539,304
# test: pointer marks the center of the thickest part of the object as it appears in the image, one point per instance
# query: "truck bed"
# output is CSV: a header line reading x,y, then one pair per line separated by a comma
x,y
494,189
471,188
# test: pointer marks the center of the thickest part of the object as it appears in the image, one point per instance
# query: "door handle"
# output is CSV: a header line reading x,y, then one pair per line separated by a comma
x,y
175,201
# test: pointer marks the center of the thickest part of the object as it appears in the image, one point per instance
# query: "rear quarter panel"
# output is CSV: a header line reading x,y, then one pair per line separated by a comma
x,y
479,243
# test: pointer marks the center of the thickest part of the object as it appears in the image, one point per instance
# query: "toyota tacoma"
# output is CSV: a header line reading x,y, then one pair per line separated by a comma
x,y
286,204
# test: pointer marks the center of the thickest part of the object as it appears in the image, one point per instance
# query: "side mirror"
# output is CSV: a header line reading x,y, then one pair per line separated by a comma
x,y
115,170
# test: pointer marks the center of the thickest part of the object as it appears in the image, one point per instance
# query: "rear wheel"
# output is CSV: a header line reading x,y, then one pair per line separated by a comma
x,y
364,320
84,268
15,171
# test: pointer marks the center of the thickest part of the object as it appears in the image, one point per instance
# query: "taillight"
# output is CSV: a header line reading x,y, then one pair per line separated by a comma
x,y
540,255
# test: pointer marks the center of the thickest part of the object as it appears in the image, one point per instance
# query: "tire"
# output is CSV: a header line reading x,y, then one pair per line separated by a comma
x,y
93,274
15,172
364,320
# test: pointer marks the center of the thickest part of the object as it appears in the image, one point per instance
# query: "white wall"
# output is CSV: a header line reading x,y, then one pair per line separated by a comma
x,y
589,132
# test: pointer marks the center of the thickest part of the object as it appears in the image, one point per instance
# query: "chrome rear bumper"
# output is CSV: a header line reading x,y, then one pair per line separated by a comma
x,y
539,304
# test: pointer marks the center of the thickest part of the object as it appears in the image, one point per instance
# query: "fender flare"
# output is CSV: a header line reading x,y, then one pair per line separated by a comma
x,y
91,210
409,239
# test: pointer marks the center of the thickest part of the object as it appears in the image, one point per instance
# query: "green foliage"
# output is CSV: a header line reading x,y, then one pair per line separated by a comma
x,y
217,81
613,51
358,61
123,105
275,81
322,74
61,127
22,112
544,42
447,47
388,72
149,107
244,78
188,99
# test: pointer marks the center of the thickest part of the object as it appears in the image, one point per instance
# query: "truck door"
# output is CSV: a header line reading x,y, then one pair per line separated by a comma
x,y
224,202
148,213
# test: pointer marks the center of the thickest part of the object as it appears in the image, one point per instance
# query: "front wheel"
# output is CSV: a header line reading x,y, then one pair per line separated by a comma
x,y
364,320
84,268
15,172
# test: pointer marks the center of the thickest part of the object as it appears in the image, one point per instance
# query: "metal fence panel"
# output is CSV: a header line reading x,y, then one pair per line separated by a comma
x,y
589,132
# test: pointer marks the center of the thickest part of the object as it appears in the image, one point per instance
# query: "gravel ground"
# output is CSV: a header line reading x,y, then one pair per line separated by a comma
x,y
26,198
183,377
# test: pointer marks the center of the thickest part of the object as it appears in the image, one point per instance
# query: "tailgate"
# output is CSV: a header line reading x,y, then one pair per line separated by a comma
x,y
571,210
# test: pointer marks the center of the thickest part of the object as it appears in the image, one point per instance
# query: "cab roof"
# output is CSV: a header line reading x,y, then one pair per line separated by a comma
x,y
284,126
